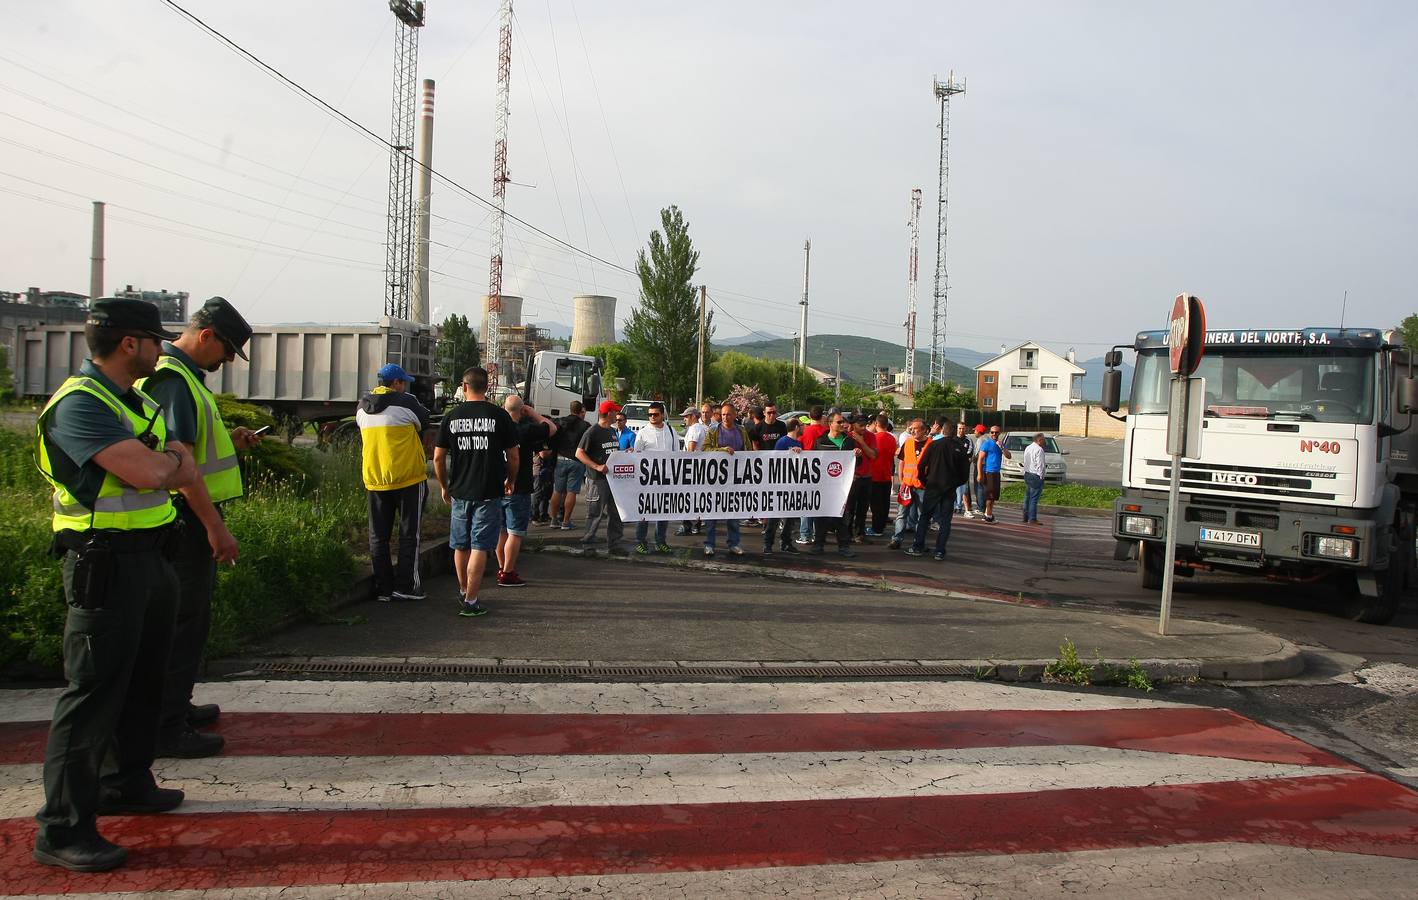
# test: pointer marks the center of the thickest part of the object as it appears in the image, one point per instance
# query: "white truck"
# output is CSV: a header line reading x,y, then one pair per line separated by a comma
x,y
1308,467
554,378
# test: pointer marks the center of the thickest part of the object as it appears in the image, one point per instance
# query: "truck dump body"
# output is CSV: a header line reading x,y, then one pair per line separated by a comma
x,y
309,371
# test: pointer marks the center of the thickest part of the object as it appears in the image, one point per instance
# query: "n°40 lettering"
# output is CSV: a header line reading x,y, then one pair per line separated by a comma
x,y
1319,446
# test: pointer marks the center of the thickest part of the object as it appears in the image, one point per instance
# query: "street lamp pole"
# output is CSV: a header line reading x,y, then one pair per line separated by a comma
x,y
838,351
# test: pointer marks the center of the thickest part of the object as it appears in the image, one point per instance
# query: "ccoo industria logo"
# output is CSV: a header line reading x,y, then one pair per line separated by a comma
x,y
623,470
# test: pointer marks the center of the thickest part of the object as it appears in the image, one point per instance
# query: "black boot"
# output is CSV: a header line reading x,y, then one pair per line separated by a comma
x,y
89,855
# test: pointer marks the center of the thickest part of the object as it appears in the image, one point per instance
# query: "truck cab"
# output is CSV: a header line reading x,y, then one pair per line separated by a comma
x,y
1306,467
555,378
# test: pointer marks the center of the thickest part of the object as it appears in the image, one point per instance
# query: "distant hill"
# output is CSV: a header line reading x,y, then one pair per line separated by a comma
x,y
752,338
859,355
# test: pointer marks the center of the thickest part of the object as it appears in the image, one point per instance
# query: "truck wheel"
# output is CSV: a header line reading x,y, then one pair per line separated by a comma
x,y
1149,565
1391,582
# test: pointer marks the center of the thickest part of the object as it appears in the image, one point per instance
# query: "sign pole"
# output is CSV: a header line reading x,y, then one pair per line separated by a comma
x,y
1177,413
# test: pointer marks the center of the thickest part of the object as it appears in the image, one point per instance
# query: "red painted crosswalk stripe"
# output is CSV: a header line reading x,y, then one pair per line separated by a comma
x,y
1358,813
1200,732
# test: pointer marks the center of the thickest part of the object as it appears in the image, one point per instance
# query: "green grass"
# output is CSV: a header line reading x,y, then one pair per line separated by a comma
x,y
1079,495
301,529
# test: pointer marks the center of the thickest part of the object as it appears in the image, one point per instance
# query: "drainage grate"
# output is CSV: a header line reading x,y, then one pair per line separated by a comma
x,y
471,670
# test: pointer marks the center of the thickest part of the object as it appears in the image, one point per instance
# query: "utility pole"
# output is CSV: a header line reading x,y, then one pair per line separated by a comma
x,y
943,92
802,329
838,381
492,340
96,255
399,249
913,226
699,376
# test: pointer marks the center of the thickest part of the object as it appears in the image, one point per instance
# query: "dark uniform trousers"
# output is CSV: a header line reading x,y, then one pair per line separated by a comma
x,y
407,504
114,659
196,572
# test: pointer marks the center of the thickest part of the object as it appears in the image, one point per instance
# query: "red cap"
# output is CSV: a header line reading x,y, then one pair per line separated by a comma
x,y
608,408
979,429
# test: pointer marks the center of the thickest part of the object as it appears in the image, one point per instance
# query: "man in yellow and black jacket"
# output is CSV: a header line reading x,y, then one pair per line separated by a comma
x,y
101,443
391,423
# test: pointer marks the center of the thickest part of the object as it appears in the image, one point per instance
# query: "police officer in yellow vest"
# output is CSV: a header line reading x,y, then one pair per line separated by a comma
x,y
215,334
101,443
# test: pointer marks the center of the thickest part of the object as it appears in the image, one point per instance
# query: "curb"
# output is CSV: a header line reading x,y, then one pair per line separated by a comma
x,y
1161,671
1072,512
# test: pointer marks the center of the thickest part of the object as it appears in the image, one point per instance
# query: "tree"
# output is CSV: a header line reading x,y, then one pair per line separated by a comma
x,y
457,351
662,334
1409,329
943,396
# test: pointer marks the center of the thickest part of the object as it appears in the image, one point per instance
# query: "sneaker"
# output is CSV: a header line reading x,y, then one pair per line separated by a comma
x,y
708,552
642,549
663,548
683,532
871,532
803,541
939,557
509,579
767,549
471,608
411,594
895,544
736,551
989,520
846,552
788,548
384,598
912,551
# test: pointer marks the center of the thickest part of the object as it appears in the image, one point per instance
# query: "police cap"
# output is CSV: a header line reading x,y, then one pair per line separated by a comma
x,y
128,314
229,325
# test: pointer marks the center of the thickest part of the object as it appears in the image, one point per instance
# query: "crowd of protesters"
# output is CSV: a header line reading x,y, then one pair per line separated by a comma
x,y
504,468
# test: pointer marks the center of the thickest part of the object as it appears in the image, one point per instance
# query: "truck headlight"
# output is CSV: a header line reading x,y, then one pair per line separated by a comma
x,y
1145,526
1334,547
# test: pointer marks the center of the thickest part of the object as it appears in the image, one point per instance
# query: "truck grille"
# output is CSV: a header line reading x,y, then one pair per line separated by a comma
x,y
1258,520
1206,516
1196,476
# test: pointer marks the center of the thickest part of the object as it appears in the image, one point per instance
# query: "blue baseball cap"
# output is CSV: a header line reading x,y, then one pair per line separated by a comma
x,y
392,372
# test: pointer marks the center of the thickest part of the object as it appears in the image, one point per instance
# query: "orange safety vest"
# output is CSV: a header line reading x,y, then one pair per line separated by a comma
x,y
909,459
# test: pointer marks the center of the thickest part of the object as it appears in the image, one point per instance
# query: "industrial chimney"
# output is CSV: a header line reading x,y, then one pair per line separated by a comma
x,y
96,255
594,323
419,302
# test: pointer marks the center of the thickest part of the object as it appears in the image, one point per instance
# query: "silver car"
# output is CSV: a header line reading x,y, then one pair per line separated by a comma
x,y
1055,468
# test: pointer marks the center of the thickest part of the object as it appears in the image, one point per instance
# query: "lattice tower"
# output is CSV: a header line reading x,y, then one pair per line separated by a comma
x,y
492,340
913,226
943,92
399,251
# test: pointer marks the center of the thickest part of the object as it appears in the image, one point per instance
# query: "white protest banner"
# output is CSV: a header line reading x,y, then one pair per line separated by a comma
x,y
668,487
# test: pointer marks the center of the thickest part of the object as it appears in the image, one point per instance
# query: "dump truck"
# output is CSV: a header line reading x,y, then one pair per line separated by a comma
x,y
1307,468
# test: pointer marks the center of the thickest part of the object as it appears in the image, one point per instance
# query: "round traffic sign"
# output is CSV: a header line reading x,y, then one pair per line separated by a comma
x,y
1186,334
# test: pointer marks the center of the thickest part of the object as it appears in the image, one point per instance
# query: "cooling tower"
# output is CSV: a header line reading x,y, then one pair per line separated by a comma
x,y
511,314
595,321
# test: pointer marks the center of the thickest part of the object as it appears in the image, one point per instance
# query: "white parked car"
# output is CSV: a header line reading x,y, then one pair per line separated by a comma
x,y
1055,468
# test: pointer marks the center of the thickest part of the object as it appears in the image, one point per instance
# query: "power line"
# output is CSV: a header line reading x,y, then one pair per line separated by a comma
x,y
361,129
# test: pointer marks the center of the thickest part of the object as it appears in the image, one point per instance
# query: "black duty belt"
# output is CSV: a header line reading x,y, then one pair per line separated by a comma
x,y
118,541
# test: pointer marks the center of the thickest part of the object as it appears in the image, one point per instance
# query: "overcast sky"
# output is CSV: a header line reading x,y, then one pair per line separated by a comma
x,y
1105,157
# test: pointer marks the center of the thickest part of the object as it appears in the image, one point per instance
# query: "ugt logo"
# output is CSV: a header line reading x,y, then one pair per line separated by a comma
x,y
834,469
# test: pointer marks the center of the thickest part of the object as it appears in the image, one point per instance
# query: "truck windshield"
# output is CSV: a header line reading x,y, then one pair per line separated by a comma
x,y
1321,386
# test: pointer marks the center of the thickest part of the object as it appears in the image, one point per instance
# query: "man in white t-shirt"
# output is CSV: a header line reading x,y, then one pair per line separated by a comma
x,y
695,431
657,437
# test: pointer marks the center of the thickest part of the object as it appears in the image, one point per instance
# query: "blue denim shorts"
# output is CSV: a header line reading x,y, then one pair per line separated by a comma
x,y
475,524
516,513
570,474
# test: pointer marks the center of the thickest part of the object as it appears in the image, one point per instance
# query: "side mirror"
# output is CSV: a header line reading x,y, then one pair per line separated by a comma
x,y
1113,390
622,385
594,383
1408,396
1113,358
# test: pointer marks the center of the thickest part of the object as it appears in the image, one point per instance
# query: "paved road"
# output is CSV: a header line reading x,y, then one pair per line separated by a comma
x,y
341,789
1096,461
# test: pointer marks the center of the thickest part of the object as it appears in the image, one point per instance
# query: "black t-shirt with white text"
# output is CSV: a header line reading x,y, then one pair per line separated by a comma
x,y
475,434
765,434
599,442
531,437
